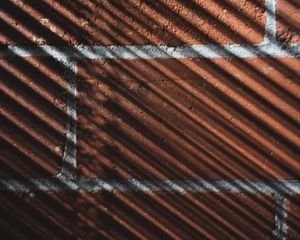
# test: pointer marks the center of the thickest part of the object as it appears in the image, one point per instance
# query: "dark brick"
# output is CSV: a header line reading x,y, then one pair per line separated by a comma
x,y
133,216
182,119
288,21
33,97
104,22
293,221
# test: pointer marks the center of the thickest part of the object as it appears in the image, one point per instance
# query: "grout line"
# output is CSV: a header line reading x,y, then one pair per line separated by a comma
x,y
68,169
283,187
271,49
270,28
281,214
188,51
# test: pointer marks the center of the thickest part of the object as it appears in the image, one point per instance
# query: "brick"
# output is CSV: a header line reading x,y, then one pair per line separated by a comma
x,y
104,22
293,220
288,21
117,216
33,101
189,119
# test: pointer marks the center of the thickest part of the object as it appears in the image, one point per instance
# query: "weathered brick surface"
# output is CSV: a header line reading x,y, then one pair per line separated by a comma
x,y
182,119
288,21
293,221
105,22
226,118
33,101
135,216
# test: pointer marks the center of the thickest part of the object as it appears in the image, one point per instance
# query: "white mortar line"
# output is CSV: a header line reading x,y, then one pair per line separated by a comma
x,y
69,164
281,214
270,28
189,51
283,187
272,49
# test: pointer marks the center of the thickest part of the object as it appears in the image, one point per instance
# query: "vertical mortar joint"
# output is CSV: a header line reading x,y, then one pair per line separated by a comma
x,y
69,164
270,28
281,213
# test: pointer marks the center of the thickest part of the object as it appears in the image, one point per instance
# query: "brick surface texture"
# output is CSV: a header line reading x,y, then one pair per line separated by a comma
x,y
33,116
137,216
143,119
288,21
293,217
132,22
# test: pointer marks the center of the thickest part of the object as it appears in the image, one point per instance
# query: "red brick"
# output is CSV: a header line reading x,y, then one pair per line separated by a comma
x,y
105,22
32,117
293,221
288,21
136,216
182,119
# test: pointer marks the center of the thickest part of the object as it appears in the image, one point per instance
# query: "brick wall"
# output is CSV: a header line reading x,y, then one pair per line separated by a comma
x,y
165,119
